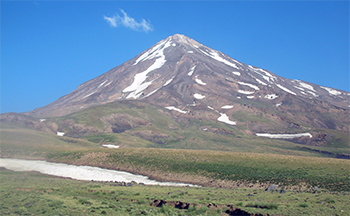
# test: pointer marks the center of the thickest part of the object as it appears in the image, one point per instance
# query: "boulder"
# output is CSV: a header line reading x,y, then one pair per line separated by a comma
x,y
272,187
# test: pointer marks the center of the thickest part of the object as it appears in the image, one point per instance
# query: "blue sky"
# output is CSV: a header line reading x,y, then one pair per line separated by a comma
x,y
49,48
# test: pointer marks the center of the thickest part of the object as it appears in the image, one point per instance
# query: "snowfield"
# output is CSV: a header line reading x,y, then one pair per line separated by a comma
x,y
283,136
87,173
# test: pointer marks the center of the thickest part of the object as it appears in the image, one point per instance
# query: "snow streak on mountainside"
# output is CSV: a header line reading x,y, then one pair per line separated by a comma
x,y
185,78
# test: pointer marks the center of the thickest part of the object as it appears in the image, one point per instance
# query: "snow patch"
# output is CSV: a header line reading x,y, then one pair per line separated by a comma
x,y
285,89
331,91
108,84
250,97
224,118
265,75
271,96
236,73
283,136
89,94
279,104
312,93
227,107
42,120
102,84
213,54
209,107
305,85
169,81
86,173
138,85
152,92
199,81
250,85
198,96
60,133
190,51
261,82
299,88
176,109
156,51
191,70
245,92
216,56
110,146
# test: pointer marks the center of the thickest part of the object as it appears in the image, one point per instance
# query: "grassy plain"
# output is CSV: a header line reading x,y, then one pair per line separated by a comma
x,y
31,193
219,169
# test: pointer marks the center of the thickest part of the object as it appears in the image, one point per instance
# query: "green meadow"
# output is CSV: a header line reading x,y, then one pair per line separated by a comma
x,y
31,193
234,175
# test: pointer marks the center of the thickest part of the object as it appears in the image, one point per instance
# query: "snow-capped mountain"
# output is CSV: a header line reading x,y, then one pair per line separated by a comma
x,y
179,71
191,81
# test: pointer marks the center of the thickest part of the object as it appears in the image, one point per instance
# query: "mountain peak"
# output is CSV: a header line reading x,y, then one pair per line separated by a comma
x,y
183,39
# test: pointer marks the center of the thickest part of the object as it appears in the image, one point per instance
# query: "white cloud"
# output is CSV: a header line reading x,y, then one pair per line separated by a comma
x,y
128,22
112,21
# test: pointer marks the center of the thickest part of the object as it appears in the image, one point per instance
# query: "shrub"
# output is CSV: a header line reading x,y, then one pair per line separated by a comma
x,y
202,210
329,200
303,205
262,205
84,202
55,203
141,201
166,209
